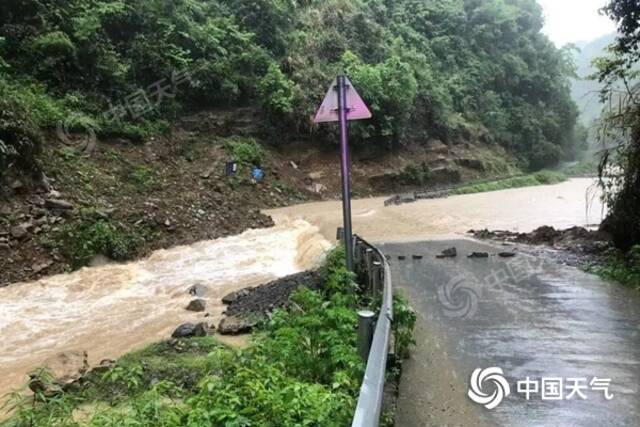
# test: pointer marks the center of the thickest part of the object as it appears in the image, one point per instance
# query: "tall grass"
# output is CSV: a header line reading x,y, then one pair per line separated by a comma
x,y
540,178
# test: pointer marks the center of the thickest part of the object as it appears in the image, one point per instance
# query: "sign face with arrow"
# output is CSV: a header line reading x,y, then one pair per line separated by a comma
x,y
343,104
329,110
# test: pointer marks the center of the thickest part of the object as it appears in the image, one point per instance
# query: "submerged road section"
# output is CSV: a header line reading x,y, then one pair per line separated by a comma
x,y
564,341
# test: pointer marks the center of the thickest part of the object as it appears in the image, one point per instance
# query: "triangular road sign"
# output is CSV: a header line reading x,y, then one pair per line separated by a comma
x,y
328,111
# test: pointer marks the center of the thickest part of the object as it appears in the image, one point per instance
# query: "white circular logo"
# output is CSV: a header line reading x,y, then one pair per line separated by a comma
x,y
75,129
459,299
500,384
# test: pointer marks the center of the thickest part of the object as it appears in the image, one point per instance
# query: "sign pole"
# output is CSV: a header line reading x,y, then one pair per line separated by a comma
x,y
343,110
343,104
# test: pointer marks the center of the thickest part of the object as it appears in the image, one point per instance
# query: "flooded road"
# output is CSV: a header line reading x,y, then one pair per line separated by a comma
x,y
527,316
111,310
574,202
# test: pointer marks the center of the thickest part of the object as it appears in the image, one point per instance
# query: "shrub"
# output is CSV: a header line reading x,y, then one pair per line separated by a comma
x,y
90,237
621,267
20,139
277,92
550,177
245,151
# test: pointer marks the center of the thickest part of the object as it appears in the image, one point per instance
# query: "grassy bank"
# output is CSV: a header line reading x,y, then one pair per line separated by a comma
x,y
621,267
539,178
302,368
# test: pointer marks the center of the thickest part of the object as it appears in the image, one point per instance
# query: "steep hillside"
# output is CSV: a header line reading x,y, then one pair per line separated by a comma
x,y
586,91
454,70
113,199
117,117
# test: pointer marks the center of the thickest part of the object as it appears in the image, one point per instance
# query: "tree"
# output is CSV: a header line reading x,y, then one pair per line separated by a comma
x,y
620,131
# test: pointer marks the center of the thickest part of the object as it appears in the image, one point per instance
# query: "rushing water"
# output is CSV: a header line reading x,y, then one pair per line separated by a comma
x,y
111,310
575,202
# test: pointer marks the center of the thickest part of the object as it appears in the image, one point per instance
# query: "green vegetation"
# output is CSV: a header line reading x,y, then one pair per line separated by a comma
x,y
90,235
621,267
245,151
620,126
539,178
461,69
585,167
301,369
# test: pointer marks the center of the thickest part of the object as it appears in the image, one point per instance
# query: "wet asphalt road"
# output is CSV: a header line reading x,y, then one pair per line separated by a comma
x,y
528,316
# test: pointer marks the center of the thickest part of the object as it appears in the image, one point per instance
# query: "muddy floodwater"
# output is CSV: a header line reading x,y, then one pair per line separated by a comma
x,y
575,202
111,310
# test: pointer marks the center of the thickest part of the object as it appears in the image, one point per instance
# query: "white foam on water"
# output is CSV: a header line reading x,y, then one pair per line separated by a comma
x,y
107,310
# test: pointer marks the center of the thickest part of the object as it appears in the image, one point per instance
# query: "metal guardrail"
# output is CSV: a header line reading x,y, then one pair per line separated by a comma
x,y
372,263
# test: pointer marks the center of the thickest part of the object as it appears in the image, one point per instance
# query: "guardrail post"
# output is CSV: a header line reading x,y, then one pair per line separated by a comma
x,y
366,327
369,267
376,273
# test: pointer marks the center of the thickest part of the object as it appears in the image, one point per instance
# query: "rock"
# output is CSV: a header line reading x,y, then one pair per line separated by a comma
x,y
197,305
17,186
38,212
104,366
59,372
448,253
478,255
234,325
198,290
38,268
207,173
4,247
189,330
56,204
36,201
234,296
507,254
5,211
21,231
293,165
53,194
407,198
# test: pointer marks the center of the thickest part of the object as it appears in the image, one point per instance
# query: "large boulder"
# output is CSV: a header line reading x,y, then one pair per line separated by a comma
x,y
235,296
189,330
59,372
235,325
197,305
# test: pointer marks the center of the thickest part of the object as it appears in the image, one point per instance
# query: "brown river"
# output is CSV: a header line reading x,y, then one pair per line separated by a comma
x,y
111,310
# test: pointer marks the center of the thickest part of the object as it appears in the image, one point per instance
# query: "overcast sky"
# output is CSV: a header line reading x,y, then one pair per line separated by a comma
x,y
570,21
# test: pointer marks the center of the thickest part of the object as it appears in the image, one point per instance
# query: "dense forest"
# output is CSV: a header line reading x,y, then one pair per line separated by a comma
x,y
455,70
